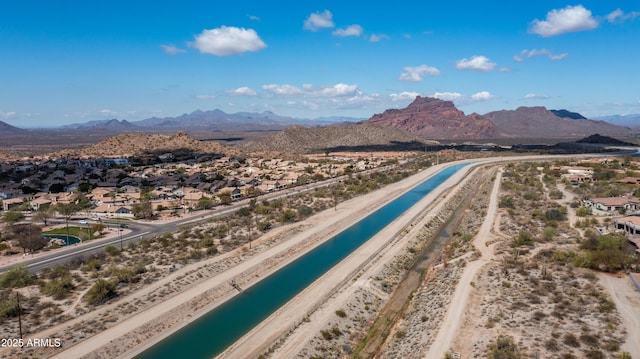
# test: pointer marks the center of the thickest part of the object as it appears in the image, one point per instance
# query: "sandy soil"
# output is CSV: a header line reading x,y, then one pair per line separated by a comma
x,y
627,300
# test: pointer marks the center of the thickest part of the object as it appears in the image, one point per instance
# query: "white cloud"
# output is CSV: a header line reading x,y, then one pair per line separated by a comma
x,y
377,37
533,96
253,17
317,21
418,73
560,21
351,30
242,91
527,54
476,63
618,16
282,90
108,112
404,96
336,90
205,97
172,50
228,40
448,96
6,115
482,96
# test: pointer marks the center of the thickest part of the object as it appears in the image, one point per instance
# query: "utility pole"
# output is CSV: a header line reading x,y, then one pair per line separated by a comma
x,y
19,313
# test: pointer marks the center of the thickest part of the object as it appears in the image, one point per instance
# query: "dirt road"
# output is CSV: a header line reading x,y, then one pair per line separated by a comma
x,y
453,319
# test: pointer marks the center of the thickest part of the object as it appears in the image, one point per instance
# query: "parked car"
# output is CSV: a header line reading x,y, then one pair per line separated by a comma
x,y
82,221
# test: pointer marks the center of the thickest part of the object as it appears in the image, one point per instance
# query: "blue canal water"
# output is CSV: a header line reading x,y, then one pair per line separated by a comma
x,y
212,333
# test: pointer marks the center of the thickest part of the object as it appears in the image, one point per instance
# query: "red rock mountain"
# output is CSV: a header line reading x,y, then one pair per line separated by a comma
x,y
538,122
438,120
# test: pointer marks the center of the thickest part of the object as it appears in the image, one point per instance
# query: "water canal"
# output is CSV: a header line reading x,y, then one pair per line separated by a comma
x,y
212,333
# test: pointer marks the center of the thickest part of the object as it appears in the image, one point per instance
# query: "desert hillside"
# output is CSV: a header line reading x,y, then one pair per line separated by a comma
x,y
300,139
140,144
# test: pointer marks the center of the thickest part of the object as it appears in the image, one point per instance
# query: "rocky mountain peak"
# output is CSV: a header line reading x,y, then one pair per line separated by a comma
x,y
437,119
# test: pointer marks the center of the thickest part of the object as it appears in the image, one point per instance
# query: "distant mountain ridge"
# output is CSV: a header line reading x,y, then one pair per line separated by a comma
x,y
216,120
7,128
632,121
538,122
568,114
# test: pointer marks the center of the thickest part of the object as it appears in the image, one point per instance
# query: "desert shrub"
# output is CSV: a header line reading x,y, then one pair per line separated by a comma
x,y
92,265
555,215
524,238
304,211
264,226
288,215
111,250
101,291
341,313
59,288
582,212
504,348
571,340
506,202
16,277
8,308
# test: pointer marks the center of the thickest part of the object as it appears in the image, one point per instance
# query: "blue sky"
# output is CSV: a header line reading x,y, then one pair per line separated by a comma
x,y
74,61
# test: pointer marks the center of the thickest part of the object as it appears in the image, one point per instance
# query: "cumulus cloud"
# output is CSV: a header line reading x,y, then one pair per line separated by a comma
x,y
482,96
618,16
282,90
337,90
560,21
319,20
242,91
534,96
377,37
418,73
527,54
351,30
448,96
476,63
404,96
172,50
228,40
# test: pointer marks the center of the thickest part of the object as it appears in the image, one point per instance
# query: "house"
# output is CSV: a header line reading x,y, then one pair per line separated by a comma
x,y
40,203
11,203
631,225
611,204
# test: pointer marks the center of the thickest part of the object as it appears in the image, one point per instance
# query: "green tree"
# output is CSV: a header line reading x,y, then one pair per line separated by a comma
x,y
204,203
29,237
67,210
43,215
143,209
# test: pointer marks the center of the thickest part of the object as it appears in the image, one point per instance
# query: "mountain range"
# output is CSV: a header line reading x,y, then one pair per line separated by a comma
x,y
440,120
214,120
426,118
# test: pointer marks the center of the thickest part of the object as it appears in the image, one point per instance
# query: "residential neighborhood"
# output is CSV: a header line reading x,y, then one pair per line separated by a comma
x,y
114,186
